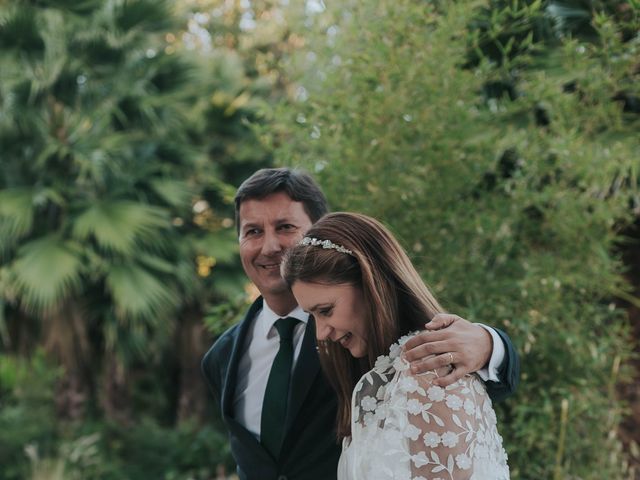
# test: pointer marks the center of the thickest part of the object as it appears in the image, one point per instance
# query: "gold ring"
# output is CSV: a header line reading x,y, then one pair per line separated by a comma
x,y
450,358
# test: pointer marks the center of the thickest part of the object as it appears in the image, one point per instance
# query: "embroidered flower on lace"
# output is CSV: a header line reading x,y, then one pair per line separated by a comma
x,y
431,439
368,419
435,393
368,403
382,363
409,384
454,402
469,408
395,350
412,432
463,461
419,459
392,412
400,364
449,439
478,387
414,406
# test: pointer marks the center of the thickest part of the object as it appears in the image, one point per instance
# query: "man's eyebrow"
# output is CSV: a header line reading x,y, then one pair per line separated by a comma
x,y
284,220
249,225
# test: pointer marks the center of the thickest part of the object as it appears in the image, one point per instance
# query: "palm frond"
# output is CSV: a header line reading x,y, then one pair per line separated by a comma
x,y
47,271
139,294
80,7
148,15
16,215
156,263
176,193
223,246
119,225
19,31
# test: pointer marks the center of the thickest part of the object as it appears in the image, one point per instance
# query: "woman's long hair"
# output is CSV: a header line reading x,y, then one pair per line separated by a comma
x,y
395,297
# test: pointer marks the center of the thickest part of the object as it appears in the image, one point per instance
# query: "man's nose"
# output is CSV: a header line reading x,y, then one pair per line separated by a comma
x,y
271,244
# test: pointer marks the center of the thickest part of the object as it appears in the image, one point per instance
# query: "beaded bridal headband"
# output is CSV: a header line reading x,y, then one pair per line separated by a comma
x,y
326,244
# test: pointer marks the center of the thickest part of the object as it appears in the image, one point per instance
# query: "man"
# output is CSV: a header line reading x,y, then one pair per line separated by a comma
x,y
262,362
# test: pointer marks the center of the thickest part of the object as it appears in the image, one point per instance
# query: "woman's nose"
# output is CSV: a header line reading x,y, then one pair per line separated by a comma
x,y
323,331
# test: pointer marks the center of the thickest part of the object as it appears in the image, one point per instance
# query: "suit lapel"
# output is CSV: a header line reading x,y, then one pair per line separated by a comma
x,y
236,354
246,438
304,373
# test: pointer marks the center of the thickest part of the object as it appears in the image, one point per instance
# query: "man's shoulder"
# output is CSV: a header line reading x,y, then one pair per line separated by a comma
x,y
223,345
226,341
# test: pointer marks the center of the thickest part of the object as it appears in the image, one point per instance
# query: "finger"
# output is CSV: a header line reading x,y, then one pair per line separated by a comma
x,y
440,320
432,363
455,375
433,336
426,349
416,340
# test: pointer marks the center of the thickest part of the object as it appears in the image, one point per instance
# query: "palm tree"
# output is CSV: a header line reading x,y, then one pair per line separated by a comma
x,y
97,184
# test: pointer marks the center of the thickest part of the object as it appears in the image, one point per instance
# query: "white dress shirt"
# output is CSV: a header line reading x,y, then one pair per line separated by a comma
x,y
497,356
261,346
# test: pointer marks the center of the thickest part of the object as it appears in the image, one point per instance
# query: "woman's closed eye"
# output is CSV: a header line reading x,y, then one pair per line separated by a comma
x,y
325,311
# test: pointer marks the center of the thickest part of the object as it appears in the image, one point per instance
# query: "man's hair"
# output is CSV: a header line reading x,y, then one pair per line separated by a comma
x,y
297,184
396,300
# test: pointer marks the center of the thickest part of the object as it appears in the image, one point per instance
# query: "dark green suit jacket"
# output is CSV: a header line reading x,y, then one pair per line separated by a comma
x,y
310,450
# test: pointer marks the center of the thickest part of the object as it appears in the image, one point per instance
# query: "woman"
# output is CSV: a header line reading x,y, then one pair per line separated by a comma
x,y
367,298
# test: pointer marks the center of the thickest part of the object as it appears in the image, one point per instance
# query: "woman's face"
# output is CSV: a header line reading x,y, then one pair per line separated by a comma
x,y
338,311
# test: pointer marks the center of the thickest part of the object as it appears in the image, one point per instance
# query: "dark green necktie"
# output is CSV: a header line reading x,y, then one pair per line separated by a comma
x,y
274,407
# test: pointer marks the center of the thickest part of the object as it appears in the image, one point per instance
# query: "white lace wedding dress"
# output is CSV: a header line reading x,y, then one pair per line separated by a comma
x,y
404,427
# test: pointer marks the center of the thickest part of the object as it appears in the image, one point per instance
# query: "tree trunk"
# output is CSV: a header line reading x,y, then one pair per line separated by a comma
x,y
66,341
192,342
630,428
115,397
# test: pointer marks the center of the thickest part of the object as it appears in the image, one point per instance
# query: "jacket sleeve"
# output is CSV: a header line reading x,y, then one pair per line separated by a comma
x,y
508,372
214,364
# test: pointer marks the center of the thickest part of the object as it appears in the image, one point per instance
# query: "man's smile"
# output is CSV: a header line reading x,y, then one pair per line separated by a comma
x,y
270,266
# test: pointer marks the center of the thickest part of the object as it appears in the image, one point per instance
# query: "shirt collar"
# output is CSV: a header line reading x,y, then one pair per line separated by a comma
x,y
268,318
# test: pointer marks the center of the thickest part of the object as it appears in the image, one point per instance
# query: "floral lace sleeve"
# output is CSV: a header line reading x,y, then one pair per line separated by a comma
x,y
404,427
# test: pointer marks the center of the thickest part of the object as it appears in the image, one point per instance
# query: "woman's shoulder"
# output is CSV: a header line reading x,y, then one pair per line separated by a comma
x,y
387,370
393,369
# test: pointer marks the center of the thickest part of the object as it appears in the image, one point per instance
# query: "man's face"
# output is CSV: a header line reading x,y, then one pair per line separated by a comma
x,y
268,227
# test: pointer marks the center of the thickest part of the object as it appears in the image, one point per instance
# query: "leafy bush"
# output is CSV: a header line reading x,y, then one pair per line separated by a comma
x,y
150,451
509,206
27,417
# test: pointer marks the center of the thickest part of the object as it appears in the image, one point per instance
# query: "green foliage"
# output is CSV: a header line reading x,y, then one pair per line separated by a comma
x,y
26,411
36,446
510,205
115,219
150,451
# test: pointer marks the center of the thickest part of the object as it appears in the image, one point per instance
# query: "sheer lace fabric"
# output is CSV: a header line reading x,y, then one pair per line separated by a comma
x,y
404,427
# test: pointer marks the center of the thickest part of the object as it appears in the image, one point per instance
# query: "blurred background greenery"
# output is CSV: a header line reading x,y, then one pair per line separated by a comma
x,y
498,139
